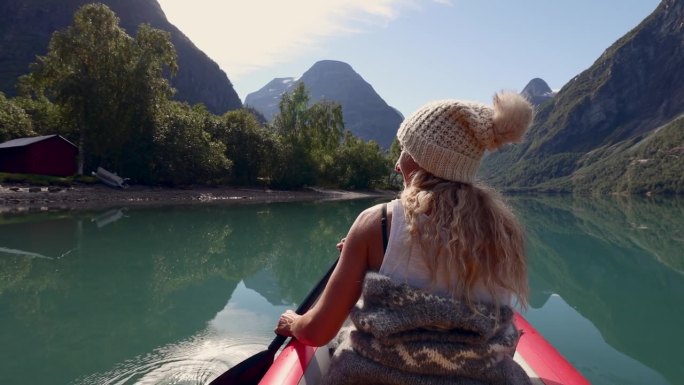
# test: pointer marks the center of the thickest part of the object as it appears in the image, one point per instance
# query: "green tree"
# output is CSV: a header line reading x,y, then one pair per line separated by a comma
x,y
47,118
309,136
252,148
184,152
292,116
325,127
359,164
108,84
14,121
146,93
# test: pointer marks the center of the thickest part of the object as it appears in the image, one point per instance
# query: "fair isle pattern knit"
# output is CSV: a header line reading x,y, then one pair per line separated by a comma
x,y
402,335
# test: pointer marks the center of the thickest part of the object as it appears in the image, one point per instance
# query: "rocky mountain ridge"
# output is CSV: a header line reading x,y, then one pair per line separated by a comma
x,y
365,113
27,25
614,128
268,97
537,91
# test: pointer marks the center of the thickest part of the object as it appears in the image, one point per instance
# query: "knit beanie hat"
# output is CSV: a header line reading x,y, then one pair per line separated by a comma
x,y
449,137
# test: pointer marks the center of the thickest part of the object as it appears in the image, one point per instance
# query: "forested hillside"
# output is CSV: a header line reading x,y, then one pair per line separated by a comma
x,y
27,25
106,91
614,128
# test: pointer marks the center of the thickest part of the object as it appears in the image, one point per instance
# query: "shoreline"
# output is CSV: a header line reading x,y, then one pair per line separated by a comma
x,y
22,197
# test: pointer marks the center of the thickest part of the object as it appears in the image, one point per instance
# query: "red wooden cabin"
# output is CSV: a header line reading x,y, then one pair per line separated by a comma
x,y
44,155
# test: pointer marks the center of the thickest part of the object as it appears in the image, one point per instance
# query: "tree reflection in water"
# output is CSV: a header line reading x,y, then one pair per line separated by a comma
x,y
149,278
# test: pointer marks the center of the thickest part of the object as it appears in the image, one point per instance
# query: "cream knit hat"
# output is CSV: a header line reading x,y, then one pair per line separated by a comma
x,y
449,137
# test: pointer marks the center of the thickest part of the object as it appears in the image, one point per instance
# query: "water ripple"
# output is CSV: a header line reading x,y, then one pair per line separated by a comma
x,y
195,361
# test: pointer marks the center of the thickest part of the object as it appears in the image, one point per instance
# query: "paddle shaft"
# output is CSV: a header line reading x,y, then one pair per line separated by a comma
x,y
305,305
260,362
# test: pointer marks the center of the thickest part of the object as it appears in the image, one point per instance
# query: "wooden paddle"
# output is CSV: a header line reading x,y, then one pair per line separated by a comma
x,y
252,370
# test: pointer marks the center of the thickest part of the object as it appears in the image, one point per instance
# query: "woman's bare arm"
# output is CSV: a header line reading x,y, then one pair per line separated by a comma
x,y
322,322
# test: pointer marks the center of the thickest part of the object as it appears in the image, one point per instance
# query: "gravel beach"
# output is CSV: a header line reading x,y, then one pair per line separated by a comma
x,y
19,197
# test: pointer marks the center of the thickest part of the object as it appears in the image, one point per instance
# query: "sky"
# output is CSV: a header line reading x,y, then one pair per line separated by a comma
x,y
410,51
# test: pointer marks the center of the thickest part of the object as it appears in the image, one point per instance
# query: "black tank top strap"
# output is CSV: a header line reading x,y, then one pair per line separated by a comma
x,y
383,223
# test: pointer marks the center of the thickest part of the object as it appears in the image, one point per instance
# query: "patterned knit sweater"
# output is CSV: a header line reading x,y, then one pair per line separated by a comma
x,y
402,335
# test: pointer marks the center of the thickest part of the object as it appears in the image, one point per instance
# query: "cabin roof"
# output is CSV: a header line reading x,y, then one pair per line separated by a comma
x,y
20,142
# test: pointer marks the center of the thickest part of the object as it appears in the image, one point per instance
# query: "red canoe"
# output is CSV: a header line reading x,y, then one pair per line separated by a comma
x,y
299,364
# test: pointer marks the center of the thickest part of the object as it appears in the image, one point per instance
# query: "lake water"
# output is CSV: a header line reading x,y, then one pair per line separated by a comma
x,y
176,295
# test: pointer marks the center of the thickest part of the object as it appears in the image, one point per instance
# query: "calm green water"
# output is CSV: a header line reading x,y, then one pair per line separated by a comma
x,y
176,295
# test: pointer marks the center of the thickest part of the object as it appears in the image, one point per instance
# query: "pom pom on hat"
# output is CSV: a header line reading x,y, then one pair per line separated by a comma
x,y
512,115
448,138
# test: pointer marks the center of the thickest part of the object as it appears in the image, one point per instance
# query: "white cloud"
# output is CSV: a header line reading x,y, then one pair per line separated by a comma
x,y
243,36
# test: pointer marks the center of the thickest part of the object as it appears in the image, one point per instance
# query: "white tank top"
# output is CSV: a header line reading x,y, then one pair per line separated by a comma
x,y
404,262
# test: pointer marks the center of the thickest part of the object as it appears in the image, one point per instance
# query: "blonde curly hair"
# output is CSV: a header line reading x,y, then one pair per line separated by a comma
x,y
469,233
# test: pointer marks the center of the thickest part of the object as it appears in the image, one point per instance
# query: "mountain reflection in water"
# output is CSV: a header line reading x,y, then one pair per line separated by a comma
x,y
150,281
179,294
617,262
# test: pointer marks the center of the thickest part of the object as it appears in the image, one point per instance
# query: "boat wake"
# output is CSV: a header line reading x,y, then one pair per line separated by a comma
x,y
191,362
241,329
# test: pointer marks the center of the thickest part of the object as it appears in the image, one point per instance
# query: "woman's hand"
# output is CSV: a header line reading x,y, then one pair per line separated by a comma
x,y
285,323
287,319
340,244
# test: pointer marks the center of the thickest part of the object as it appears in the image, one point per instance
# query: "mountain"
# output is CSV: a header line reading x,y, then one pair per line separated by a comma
x,y
615,128
537,91
267,98
365,113
27,25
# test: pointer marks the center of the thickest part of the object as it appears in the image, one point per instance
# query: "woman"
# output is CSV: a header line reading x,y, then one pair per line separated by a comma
x,y
438,308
